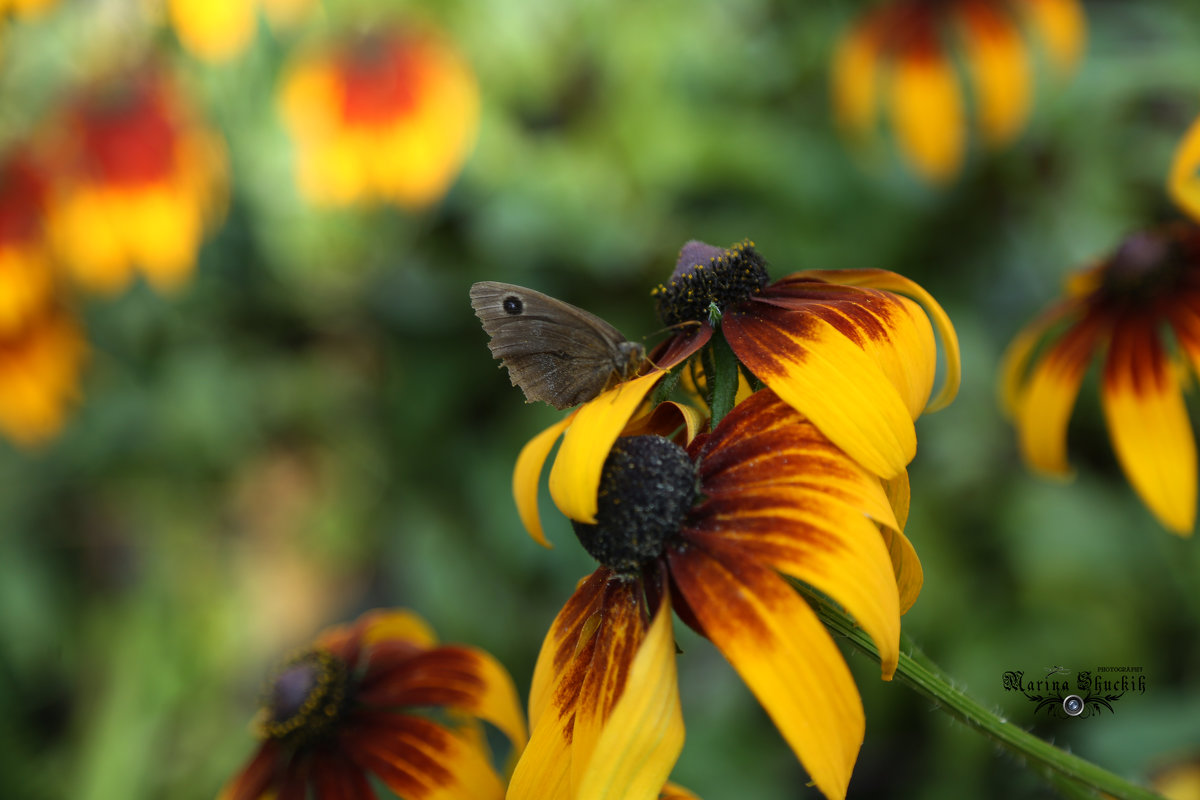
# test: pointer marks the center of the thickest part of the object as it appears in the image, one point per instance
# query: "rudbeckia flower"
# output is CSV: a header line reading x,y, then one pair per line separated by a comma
x,y
381,698
140,181
26,278
387,116
217,30
1120,309
711,531
896,56
843,347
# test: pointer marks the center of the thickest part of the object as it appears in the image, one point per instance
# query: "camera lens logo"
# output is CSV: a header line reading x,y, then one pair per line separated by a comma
x,y
1073,705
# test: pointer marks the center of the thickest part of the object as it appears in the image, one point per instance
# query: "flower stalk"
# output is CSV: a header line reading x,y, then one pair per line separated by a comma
x,y
918,672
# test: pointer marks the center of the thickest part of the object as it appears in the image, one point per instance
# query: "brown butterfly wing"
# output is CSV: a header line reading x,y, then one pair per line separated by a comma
x,y
557,353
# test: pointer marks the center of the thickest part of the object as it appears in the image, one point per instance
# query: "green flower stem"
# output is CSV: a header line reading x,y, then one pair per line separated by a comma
x,y
918,672
723,379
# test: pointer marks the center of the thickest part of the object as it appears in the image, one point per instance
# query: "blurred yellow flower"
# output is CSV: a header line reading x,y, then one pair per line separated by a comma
x,y
140,180
896,56
218,30
1121,308
387,116
39,370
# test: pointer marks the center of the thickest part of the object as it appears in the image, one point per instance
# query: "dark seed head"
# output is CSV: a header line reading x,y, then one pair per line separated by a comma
x,y
708,279
647,486
304,698
1149,265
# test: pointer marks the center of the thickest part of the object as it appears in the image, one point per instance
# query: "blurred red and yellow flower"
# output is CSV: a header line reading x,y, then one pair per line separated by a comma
x,y
710,532
139,181
381,698
387,116
26,277
896,57
1128,308
218,30
41,347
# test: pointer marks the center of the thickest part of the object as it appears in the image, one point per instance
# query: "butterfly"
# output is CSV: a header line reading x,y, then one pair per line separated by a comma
x,y
557,353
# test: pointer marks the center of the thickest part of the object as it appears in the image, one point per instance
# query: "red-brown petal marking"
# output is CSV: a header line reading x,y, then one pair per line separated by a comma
x,y
1148,423
419,759
819,368
455,677
257,776
295,779
580,674
336,778
783,653
784,495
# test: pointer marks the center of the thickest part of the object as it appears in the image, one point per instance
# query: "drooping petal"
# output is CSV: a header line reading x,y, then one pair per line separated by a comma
x,y
669,419
257,776
1184,316
527,476
1043,406
999,68
1184,180
1014,364
1148,424
419,759
335,777
820,367
641,739
575,476
888,281
597,653
926,109
855,76
396,625
779,492
1062,27
783,653
454,677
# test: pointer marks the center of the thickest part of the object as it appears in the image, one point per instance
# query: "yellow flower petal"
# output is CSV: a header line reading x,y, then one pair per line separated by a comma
x,y
891,282
1044,405
927,113
824,375
674,791
1014,364
910,576
575,476
396,625
999,67
1062,26
604,704
642,738
1184,180
527,477
784,655
215,30
1148,424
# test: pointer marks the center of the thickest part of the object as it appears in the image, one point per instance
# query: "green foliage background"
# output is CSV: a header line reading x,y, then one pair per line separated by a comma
x,y
315,426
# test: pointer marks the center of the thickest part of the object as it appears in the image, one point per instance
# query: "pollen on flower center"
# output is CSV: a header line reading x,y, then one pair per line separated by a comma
x,y
305,697
705,276
647,486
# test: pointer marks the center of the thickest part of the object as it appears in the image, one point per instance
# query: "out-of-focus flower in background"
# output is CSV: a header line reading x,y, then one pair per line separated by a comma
x,y
25,8
218,30
1120,307
138,180
41,347
365,700
389,115
896,57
